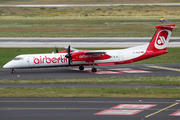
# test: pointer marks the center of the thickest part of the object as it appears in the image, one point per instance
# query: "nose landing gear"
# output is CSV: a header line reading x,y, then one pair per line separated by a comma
x,y
12,71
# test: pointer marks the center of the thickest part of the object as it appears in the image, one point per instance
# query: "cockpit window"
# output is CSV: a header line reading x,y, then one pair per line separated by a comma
x,y
18,58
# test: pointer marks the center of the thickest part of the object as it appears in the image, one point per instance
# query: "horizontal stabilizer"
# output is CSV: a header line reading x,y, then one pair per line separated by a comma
x,y
165,26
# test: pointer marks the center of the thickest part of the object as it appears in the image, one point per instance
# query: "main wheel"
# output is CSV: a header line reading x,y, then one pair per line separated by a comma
x,y
94,70
81,68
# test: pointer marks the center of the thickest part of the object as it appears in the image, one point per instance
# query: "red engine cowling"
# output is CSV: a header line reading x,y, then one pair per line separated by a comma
x,y
81,56
64,51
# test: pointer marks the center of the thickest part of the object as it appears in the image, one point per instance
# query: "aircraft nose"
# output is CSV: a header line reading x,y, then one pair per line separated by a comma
x,y
7,65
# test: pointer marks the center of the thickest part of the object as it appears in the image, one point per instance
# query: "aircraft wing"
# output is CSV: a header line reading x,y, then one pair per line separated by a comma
x,y
94,52
73,49
86,51
85,55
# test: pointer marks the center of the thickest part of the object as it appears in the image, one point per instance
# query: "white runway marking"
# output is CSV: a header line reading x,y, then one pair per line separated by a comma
x,y
113,71
125,109
177,113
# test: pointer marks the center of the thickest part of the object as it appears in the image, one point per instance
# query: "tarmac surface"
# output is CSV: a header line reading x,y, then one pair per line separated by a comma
x,y
128,70
89,109
82,42
84,5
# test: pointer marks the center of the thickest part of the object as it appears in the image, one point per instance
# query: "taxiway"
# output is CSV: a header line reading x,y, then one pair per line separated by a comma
x,y
88,109
128,70
111,42
85,5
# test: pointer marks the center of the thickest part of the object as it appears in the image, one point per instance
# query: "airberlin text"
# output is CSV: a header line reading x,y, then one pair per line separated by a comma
x,y
48,60
89,56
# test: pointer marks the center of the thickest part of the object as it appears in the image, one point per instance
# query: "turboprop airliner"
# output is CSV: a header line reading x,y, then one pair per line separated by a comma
x,y
81,58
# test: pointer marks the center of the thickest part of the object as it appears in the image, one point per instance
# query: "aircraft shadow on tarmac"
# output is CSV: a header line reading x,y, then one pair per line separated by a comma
x,y
113,70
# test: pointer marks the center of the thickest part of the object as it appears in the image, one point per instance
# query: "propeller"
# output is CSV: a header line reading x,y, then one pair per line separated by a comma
x,y
68,55
56,48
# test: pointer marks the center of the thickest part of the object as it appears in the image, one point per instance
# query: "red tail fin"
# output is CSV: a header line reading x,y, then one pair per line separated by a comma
x,y
161,37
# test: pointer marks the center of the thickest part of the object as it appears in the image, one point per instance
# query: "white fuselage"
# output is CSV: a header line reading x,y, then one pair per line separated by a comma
x,y
59,59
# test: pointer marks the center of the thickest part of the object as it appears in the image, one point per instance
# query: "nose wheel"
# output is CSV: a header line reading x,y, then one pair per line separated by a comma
x,y
12,71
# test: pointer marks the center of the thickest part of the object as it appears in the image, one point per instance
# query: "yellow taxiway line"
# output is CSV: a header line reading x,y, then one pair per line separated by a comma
x,y
165,68
161,110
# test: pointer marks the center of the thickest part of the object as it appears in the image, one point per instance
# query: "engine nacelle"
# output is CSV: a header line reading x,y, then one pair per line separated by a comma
x,y
82,56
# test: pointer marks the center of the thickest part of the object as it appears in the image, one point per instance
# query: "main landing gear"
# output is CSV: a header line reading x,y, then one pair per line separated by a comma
x,y
81,68
12,71
94,69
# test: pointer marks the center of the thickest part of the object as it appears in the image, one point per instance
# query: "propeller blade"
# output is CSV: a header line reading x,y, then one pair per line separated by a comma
x,y
56,48
68,55
68,49
69,59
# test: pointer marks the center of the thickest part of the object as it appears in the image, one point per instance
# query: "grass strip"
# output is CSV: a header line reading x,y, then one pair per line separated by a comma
x,y
91,92
119,11
98,21
76,28
113,80
91,26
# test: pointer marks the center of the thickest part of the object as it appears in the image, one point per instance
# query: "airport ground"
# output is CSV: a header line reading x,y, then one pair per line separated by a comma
x,y
108,21
88,108
74,107
150,81
80,108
